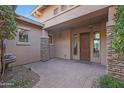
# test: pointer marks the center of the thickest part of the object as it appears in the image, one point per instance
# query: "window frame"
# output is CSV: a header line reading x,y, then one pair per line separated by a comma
x,y
99,43
51,39
75,39
28,32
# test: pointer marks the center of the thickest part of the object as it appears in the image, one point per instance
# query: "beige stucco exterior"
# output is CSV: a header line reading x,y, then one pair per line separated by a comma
x,y
26,53
62,44
62,26
49,19
75,20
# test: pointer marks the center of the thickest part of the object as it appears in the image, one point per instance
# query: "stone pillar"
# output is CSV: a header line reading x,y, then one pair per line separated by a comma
x,y
113,67
44,46
110,50
109,26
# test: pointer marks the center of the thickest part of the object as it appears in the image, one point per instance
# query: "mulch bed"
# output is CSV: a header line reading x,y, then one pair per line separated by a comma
x,y
19,77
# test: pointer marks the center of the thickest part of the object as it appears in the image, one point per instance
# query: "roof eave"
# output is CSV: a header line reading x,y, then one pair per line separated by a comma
x,y
29,20
36,8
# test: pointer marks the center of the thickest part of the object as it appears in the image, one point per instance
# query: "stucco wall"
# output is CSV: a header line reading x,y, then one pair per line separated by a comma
x,y
74,12
49,12
62,44
26,54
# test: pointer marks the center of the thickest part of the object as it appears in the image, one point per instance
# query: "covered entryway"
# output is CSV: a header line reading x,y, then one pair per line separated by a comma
x,y
82,38
85,46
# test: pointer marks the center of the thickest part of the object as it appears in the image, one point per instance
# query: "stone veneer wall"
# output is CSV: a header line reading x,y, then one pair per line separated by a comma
x,y
115,68
45,49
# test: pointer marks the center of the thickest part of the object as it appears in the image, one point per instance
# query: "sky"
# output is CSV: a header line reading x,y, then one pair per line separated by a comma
x,y
25,10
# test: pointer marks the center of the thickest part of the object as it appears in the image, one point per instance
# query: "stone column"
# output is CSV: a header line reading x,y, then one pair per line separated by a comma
x,y
44,46
114,67
110,50
109,35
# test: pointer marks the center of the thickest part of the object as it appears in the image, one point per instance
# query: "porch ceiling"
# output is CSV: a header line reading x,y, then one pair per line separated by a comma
x,y
83,20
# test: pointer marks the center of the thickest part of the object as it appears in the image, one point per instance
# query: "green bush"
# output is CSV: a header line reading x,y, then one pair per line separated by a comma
x,y
18,83
108,81
118,31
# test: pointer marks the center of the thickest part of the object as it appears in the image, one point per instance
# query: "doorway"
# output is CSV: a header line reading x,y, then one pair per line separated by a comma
x,y
85,46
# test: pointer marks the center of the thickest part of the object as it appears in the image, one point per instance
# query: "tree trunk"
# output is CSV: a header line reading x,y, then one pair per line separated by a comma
x,y
2,59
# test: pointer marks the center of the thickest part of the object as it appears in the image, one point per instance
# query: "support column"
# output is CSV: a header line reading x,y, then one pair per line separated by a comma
x,y
44,46
113,67
110,50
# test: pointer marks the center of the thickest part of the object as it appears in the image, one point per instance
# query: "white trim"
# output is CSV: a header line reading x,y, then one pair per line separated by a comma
x,y
23,43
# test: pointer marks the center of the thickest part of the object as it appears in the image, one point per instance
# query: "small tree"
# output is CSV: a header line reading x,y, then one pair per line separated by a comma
x,y
118,31
7,29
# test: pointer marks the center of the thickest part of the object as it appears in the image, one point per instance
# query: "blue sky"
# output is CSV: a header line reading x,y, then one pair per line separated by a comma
x,y
25,10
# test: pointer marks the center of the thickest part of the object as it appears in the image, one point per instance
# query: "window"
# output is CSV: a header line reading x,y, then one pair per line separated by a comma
x,y
63,7
50,39
75,44
56,10
96,44
23,36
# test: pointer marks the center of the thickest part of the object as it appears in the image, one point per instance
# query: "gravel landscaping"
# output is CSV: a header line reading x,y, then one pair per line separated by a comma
x,y
20,77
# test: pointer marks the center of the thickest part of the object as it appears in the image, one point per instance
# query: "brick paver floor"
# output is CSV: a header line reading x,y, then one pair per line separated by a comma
x,y
60,73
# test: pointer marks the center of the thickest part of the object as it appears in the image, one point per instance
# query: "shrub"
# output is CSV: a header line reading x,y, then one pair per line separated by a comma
x,y
108,81
19,82
118,31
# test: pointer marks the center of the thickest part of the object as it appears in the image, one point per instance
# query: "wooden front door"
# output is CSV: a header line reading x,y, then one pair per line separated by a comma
x,y
85,46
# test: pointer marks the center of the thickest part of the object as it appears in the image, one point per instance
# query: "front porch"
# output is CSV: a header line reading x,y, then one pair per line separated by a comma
x,y
69,41
64,34
60,73
101,22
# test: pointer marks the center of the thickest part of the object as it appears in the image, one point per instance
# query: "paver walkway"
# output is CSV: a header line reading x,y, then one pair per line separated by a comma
x,y
60,73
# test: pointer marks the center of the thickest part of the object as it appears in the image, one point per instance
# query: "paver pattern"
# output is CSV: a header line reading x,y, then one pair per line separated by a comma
x,y
60,73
